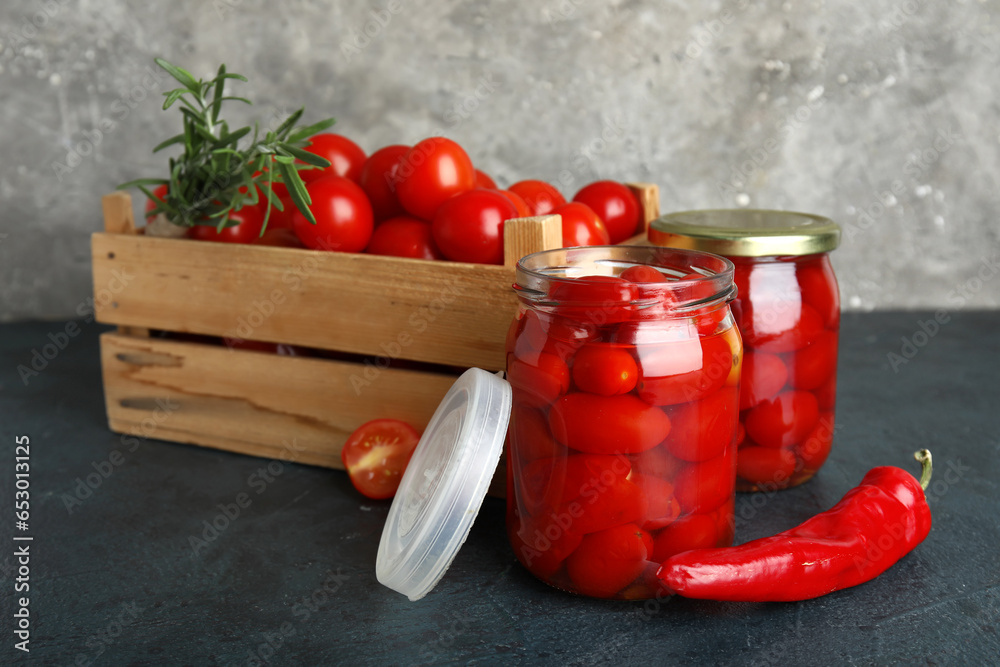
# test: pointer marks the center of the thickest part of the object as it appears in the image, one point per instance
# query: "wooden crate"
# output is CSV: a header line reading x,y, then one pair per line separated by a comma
x,y
293,408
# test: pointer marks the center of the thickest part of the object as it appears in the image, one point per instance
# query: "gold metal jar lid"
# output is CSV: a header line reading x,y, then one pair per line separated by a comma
x,y
746,232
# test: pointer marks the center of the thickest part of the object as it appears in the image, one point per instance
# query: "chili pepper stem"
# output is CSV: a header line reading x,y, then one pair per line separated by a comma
x,y
924,456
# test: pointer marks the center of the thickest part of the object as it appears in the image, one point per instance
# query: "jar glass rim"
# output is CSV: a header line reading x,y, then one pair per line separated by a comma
x,y
695,278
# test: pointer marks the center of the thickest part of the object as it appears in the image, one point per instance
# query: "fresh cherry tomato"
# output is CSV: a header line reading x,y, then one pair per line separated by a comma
x,y
764,375
683,370
160,192
522,208
581,226
695,531
815,363
430,173
343,216
701,487
346,158
378,180
608,561
247,230
643,273
607,424
469,226
702,430
784,420
605,369
615,205
376,454
541,197
484,181
540,378
765,466
280,237
404,237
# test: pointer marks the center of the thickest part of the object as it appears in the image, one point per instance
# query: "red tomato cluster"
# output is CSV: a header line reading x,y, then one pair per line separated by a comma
x,y
790,322
621,444
425,201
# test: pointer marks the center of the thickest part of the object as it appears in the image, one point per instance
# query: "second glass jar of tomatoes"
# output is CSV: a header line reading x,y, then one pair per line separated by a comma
x,y
788,312
625,366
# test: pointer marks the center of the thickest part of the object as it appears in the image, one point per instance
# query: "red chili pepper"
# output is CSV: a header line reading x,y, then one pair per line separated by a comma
x,y
873,526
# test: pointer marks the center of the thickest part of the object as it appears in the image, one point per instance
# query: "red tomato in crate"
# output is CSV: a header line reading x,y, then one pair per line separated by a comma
x,y
160,192
784,420
376,455
541,377
378,180
404,237
522,208
695,531
541,197
608,561
701,487
280,237
469,226
430,173
581,226
346,158
483,180
247,230
615,205
605,369
607,424
702,430
765,466
764,375
343,216
815,363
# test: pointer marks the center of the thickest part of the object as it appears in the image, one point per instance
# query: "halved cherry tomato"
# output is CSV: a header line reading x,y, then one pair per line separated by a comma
x,y
701,487
469,226
539,378
247,230
608,561
702,430
605,369
346,158
540,197
483,180
581,226
430,173
764,375
815,363
343,216
615,205
607,424
376,454
404,237
784,420
765,466
378,180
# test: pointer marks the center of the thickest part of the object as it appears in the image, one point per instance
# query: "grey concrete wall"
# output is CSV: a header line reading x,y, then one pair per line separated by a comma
x,y
881,114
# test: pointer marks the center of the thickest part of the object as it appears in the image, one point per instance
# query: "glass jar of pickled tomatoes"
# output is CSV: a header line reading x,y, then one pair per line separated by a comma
x,y
624,364
788,312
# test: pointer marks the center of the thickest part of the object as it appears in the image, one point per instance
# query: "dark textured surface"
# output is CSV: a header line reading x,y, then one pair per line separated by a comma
x,y
307,535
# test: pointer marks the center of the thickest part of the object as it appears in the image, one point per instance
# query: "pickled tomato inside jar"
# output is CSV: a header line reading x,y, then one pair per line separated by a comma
x,y
622,442
788,310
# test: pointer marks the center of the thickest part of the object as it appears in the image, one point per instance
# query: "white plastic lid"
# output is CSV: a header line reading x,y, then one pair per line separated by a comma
x,y
444,484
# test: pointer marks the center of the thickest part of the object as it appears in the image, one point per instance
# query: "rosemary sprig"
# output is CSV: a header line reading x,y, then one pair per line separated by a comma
x,y
206,179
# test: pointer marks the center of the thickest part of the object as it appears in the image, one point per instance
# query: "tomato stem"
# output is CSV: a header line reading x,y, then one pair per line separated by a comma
x,y
924,456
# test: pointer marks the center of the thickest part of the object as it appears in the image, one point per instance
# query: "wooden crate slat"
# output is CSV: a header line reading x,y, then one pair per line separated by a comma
x,y
442,312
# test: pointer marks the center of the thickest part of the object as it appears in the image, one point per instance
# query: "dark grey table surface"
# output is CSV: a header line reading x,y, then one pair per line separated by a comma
x,y
115,577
